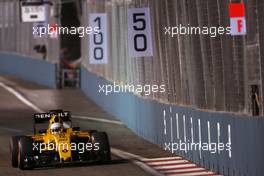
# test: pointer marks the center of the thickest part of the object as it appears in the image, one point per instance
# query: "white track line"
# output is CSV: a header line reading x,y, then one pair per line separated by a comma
x,y
11,129
136,159
117,152
20,97
97,119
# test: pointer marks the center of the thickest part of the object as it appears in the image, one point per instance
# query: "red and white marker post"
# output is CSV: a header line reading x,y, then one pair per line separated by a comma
x,y
237,19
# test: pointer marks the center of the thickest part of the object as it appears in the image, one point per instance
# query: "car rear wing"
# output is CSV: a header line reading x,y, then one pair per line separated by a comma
x,y
45,117
39,118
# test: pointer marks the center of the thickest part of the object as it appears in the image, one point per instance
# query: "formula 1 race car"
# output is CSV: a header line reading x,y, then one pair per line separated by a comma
x,y
59,143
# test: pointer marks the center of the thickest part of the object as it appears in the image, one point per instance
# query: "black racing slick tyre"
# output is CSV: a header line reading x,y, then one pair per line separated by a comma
x,y
25,153
13,146
103,153
77,155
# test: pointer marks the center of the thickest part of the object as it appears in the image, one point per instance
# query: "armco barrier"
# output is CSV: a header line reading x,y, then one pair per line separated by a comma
x,y
38,71
161,124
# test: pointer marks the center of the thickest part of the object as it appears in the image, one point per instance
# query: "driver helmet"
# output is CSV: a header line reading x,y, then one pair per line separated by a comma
x,y
56,128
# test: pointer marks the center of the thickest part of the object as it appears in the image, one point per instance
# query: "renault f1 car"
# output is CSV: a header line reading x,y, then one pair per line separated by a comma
x,y
59,143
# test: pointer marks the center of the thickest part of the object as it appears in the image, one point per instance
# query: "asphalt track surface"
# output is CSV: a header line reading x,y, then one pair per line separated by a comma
x,y
16,119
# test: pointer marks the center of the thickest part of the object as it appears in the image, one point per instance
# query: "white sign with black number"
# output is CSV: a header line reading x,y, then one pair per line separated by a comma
x,y
139,32
98,50
33,13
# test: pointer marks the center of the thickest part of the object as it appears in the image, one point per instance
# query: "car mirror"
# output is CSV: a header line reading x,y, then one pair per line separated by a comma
x,y
76,129
42,131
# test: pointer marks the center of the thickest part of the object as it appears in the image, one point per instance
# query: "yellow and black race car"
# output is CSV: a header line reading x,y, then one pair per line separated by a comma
x,y
58,143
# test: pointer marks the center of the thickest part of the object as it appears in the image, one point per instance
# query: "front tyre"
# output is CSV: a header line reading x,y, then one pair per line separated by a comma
x,y
25,153
13,146
101,146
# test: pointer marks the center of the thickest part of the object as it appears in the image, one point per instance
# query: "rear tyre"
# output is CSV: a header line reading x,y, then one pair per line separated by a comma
x,y
25,153
13,146
101,146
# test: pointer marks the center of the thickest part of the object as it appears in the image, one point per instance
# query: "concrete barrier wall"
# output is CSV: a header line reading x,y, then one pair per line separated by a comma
x,y
38,71
164,125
